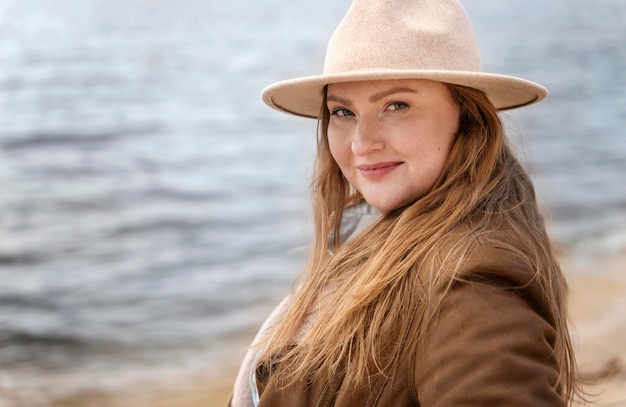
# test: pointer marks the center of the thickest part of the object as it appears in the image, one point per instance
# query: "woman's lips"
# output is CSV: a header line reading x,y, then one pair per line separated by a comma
x,y
378,170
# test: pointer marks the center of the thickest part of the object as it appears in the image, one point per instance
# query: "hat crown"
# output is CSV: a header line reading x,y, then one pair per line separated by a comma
x,y
404,35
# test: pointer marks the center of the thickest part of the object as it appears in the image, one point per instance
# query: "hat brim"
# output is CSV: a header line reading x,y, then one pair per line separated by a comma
x,y
304,96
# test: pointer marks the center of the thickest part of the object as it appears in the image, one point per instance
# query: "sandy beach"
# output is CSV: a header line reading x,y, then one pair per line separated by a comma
x,y
598,315
598,318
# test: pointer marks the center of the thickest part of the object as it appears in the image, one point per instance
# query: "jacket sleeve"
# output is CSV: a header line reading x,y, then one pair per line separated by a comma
x,y
487,347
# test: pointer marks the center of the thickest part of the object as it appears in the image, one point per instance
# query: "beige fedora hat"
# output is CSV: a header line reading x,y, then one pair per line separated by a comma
x,y
401,39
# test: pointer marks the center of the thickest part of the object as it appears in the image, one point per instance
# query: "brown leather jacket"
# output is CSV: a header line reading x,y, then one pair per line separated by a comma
x,y
491,345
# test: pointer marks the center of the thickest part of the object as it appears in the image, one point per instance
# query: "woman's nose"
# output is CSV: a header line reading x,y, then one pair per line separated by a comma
x,y
368,137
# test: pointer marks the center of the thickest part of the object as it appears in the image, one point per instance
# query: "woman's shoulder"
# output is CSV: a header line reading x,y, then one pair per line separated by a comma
x,y
490,253
497,254
497,311
499,259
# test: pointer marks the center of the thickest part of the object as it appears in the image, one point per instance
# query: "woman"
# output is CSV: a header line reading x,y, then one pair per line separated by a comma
x,y
432,281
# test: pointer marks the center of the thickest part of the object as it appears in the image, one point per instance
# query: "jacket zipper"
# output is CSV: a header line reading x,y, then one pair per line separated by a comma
x,y
325,390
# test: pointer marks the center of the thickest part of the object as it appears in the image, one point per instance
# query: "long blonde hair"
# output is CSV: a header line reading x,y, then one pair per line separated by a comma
x,y
363,295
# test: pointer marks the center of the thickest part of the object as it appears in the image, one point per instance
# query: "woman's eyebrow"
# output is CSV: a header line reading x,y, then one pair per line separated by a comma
x,y
338,99
389,92
374,98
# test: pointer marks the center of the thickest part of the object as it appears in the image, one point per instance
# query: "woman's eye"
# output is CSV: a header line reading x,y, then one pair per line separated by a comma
x,y
341,112
397,106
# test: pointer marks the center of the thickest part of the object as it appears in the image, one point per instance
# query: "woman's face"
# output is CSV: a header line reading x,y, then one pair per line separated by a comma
x,y
391,138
